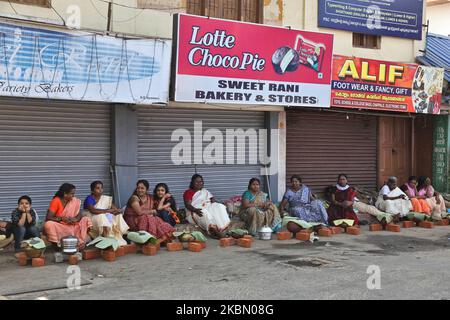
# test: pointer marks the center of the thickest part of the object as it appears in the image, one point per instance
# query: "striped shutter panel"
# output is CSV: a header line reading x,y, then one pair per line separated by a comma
x,y
44,144
155,148
321,145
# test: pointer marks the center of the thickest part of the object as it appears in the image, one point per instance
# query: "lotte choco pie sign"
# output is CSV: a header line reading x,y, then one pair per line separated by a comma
x,y
223,61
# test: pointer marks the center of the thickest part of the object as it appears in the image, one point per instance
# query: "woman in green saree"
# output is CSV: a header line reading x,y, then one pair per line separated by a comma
x,y
257,210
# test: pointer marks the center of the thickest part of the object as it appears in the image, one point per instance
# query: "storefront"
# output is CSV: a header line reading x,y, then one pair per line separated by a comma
x,y
156,144
380,124
45,143
241,67
58,90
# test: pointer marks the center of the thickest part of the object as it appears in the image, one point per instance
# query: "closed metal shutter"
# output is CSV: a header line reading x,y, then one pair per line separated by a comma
x,y
155,148
321,145
44,144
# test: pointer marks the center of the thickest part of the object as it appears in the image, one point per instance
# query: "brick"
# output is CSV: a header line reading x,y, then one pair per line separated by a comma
x,y
149,250
38,262
284,235
408,224
226,242
336,230
108,255
174,246
194,247
120,252
22,259
73,259
245,243
302,236
325,232
353,231
93,253
426,224
130,248
375,227
443,222
202,243
393,227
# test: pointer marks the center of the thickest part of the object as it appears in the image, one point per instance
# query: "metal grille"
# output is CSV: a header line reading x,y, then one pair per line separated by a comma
x,y
44,144
243,10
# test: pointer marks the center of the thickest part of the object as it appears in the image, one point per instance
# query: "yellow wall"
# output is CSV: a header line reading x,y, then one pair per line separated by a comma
x,y
298,14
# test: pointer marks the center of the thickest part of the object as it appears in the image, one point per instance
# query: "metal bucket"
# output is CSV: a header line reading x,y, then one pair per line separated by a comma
x,y
265,233
69,244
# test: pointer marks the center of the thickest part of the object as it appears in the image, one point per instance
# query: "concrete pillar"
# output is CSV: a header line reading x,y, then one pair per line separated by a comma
x,y
277,151
124,152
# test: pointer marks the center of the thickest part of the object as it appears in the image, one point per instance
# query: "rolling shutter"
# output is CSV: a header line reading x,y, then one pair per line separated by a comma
x,y
155,149
321,145
44,144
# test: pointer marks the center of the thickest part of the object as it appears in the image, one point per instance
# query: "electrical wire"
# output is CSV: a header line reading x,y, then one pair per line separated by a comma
x,y
12,7
53,8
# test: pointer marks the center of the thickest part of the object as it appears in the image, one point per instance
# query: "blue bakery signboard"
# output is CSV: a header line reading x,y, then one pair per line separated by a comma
x,y
395,18
44,63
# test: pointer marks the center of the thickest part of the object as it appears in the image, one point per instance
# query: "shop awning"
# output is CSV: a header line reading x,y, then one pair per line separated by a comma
x,y
437,54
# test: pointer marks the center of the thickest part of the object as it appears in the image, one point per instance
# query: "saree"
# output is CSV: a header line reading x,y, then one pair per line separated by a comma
x,y
115,223
301,207
214,214
398,206
437,210
147,222
419,205
257,217
336,213
362,208
55,231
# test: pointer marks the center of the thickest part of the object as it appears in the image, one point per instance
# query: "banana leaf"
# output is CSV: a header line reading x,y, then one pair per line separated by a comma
x,y
387,216
198,236
141,237
301,223
238,231
416,215
176,234
36,243
348,222
104,243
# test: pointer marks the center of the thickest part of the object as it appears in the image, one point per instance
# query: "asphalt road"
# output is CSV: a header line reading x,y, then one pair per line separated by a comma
x,y
412,264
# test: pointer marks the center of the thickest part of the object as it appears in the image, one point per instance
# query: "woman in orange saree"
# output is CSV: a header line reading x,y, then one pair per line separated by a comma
x,y
64,217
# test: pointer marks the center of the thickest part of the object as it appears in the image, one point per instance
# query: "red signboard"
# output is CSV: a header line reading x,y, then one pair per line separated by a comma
x,y
381,85
226,61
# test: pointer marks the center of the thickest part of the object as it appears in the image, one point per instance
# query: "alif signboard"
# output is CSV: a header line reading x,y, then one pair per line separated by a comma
x,y
221,61
385,85
395,18
441,149
43,63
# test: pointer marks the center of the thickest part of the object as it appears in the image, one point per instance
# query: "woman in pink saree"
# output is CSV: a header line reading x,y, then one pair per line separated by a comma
x,y
64,217
418,202
434,200
140,214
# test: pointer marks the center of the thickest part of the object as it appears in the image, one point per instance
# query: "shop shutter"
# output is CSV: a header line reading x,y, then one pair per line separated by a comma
x,y
320,145
155,148
44,144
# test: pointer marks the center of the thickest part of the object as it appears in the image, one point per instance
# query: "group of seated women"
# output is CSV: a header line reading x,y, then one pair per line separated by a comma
x,y
156,213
